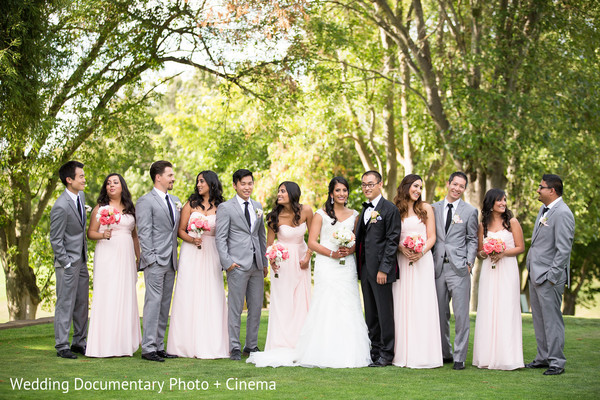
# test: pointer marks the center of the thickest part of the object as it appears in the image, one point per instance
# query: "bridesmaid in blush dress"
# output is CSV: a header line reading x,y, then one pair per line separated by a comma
x,y
418,340
290,291
498,342
114,321
198,326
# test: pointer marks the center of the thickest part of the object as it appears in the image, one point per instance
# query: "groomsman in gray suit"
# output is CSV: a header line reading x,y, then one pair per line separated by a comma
x,y
241,243
548,262
67,237
157,218
453,254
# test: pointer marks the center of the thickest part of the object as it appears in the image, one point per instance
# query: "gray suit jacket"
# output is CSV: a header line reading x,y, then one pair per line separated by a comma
x,y
67,231
460,243
550,251
236,243
157,235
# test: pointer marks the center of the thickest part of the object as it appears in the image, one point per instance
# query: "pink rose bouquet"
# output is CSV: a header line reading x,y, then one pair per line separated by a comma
x,y
197,225
493,246
107,216
415,243
277,253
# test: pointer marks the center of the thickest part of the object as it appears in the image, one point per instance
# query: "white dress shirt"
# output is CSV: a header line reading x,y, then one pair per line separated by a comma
x,y
454,207
368,210
250,210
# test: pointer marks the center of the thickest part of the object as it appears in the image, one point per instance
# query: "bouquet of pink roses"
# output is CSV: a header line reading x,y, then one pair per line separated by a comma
x,y
277,253
107,216
493,246
415,243
197,225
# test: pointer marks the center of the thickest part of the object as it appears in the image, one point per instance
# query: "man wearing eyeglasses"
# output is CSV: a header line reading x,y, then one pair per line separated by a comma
x,y
377,236
548,262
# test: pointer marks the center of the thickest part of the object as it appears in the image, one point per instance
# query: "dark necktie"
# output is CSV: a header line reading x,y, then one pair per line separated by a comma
x,y
546,209
247,213
367,204
170,209
79,209
449,217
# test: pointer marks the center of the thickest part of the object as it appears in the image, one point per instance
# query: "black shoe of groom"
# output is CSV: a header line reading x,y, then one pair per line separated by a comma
x,y
235,355
458,365
152,356
554,371
381,362
164,354
247,351
536,364
78,349
66,353
374,358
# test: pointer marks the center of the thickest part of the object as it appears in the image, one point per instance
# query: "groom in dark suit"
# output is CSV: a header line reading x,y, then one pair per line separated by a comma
x,y
157,219
377,236
548,262
67,237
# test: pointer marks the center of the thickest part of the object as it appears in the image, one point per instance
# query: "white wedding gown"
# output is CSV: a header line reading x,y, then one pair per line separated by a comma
x,y
334,334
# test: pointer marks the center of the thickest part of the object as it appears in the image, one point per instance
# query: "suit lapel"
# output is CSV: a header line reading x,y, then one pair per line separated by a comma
x,y
439,211
240,214
458,212
72,205
161,203
377,209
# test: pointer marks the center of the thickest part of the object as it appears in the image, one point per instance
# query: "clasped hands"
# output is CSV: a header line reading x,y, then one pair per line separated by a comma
x,y
413,256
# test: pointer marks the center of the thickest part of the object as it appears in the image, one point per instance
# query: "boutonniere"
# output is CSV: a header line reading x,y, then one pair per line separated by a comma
x,y
375,217
259,213
456,219
88,209
179,206
544,221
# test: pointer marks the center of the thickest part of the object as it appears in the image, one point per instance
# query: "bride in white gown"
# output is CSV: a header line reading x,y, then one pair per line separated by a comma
x,y
334,334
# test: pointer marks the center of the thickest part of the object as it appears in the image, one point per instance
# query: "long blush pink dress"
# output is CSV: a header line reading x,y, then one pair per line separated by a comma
x,y
114,319
498,340
290,293
418,338
198,327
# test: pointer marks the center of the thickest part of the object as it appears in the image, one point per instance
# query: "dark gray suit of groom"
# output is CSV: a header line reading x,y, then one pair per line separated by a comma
x,y
246,246
158,244
67,237
452,251
548,262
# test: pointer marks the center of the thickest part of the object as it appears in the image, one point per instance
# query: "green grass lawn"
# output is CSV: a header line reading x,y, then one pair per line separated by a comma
x,y
28,353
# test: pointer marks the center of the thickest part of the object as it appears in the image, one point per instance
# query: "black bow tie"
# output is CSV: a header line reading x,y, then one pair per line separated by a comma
x,y
546,209
368,204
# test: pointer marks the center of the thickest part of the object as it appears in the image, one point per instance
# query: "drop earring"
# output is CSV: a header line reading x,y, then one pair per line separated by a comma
x,y
332,200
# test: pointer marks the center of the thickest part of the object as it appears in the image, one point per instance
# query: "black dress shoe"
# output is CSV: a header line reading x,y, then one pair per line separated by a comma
x,y
164,354
458,365
152,356
247,351
448,360
381,362
235,355
374,357
554,371
536,364
66,353
78,349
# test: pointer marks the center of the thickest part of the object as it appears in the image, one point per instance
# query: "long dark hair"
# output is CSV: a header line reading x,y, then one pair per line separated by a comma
x,y
294,193
215,191
328,204
403,197
491,197
103,199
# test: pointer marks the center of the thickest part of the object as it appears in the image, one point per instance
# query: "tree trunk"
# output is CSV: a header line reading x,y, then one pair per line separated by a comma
x,y
22,293
569,302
